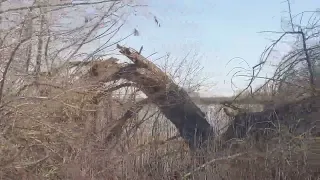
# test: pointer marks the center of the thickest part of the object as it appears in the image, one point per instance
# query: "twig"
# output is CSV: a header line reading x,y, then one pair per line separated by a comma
x,y
116,129
210,162
32,163
290,14
140,49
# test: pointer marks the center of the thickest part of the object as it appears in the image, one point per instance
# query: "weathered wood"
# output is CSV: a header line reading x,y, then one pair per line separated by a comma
x,y
173,101
177,106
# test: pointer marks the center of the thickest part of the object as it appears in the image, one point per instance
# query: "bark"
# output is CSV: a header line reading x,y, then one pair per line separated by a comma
x,y
177,106
173,101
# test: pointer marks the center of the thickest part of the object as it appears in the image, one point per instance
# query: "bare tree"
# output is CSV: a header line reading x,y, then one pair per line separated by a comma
x,y
51,40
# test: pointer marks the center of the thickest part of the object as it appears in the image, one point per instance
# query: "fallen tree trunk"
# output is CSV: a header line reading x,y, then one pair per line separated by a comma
x,y
173,101
177,106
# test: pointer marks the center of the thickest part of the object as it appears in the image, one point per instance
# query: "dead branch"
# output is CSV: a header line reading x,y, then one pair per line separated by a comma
x,y
211,162
12,56
173,101
117,128
106,14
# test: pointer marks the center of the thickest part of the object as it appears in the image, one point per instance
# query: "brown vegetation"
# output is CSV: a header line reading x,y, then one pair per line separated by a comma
x,y
63,119
79,132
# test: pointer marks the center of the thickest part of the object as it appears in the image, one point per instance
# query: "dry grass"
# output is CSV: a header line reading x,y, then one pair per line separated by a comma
x,y
63,134
58,129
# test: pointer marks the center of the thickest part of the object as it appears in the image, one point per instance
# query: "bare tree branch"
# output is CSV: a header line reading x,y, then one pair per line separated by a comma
x,y
4,74
65,5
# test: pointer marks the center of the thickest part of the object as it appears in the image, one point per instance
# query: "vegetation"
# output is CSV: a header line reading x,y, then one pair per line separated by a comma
x,y
72,112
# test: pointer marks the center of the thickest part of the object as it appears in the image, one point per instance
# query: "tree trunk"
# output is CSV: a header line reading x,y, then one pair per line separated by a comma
x,y
173,101
177,106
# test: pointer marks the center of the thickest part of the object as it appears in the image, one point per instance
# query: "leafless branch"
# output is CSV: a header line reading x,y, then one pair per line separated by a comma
x,y
57,5
4,74
211,162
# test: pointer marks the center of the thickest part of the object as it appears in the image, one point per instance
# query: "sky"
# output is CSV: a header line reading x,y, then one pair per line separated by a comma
x,y
219,30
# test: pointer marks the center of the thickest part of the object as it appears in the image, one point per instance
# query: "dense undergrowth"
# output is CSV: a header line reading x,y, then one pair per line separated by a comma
x,y
65,133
